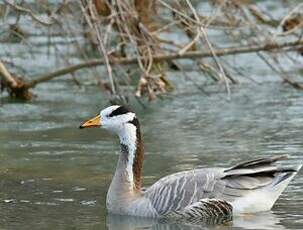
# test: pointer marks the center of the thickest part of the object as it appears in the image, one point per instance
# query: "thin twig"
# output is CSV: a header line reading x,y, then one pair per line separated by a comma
x,y
29,12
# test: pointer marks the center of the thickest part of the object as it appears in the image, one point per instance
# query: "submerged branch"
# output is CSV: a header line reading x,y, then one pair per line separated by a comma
x,y
287,46
6,76
16,87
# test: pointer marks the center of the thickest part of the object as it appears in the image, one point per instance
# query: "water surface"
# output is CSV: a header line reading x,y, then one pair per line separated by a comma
x,y
55,176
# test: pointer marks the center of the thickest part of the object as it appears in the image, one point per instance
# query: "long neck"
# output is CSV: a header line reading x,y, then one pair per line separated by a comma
x,y
128,172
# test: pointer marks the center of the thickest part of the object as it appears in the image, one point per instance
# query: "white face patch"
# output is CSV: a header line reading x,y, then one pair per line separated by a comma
x,y
115,123
107,111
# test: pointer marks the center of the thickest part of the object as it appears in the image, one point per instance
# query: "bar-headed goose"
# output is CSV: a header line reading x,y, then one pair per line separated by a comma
x,y
247,187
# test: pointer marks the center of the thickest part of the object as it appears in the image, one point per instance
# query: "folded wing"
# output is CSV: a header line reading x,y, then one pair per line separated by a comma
x,y
237,185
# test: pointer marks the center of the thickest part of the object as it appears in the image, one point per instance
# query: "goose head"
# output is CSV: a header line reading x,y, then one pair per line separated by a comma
x,y
123,122
113,118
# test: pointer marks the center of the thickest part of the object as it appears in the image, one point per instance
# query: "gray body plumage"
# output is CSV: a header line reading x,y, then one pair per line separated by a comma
x,y
212,192
178,191
223,187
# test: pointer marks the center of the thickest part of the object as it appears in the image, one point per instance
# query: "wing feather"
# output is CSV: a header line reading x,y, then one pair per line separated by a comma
x,y
179,191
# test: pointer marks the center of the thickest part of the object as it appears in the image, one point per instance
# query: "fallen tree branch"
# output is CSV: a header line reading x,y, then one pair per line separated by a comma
x,y
16,87
8,78
284,47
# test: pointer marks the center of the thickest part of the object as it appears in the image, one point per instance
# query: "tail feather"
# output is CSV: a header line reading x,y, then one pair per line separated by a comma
x,y
285,173
258,162
261,181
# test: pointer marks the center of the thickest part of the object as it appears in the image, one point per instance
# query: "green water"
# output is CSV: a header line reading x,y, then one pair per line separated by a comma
x,y
55,176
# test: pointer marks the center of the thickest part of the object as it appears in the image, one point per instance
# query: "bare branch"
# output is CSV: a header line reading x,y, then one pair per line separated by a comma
x,y
284,47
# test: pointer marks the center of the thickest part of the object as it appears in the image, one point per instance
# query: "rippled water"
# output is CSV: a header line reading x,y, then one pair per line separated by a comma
x,y
55,176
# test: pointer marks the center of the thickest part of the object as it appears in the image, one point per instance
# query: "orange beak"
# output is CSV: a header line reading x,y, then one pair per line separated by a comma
x,y
91,123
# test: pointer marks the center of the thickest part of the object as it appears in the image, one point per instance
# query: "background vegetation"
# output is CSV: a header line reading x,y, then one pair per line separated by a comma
x,y
130,47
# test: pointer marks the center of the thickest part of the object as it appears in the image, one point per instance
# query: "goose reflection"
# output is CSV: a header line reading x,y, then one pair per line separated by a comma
x,y
266,220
